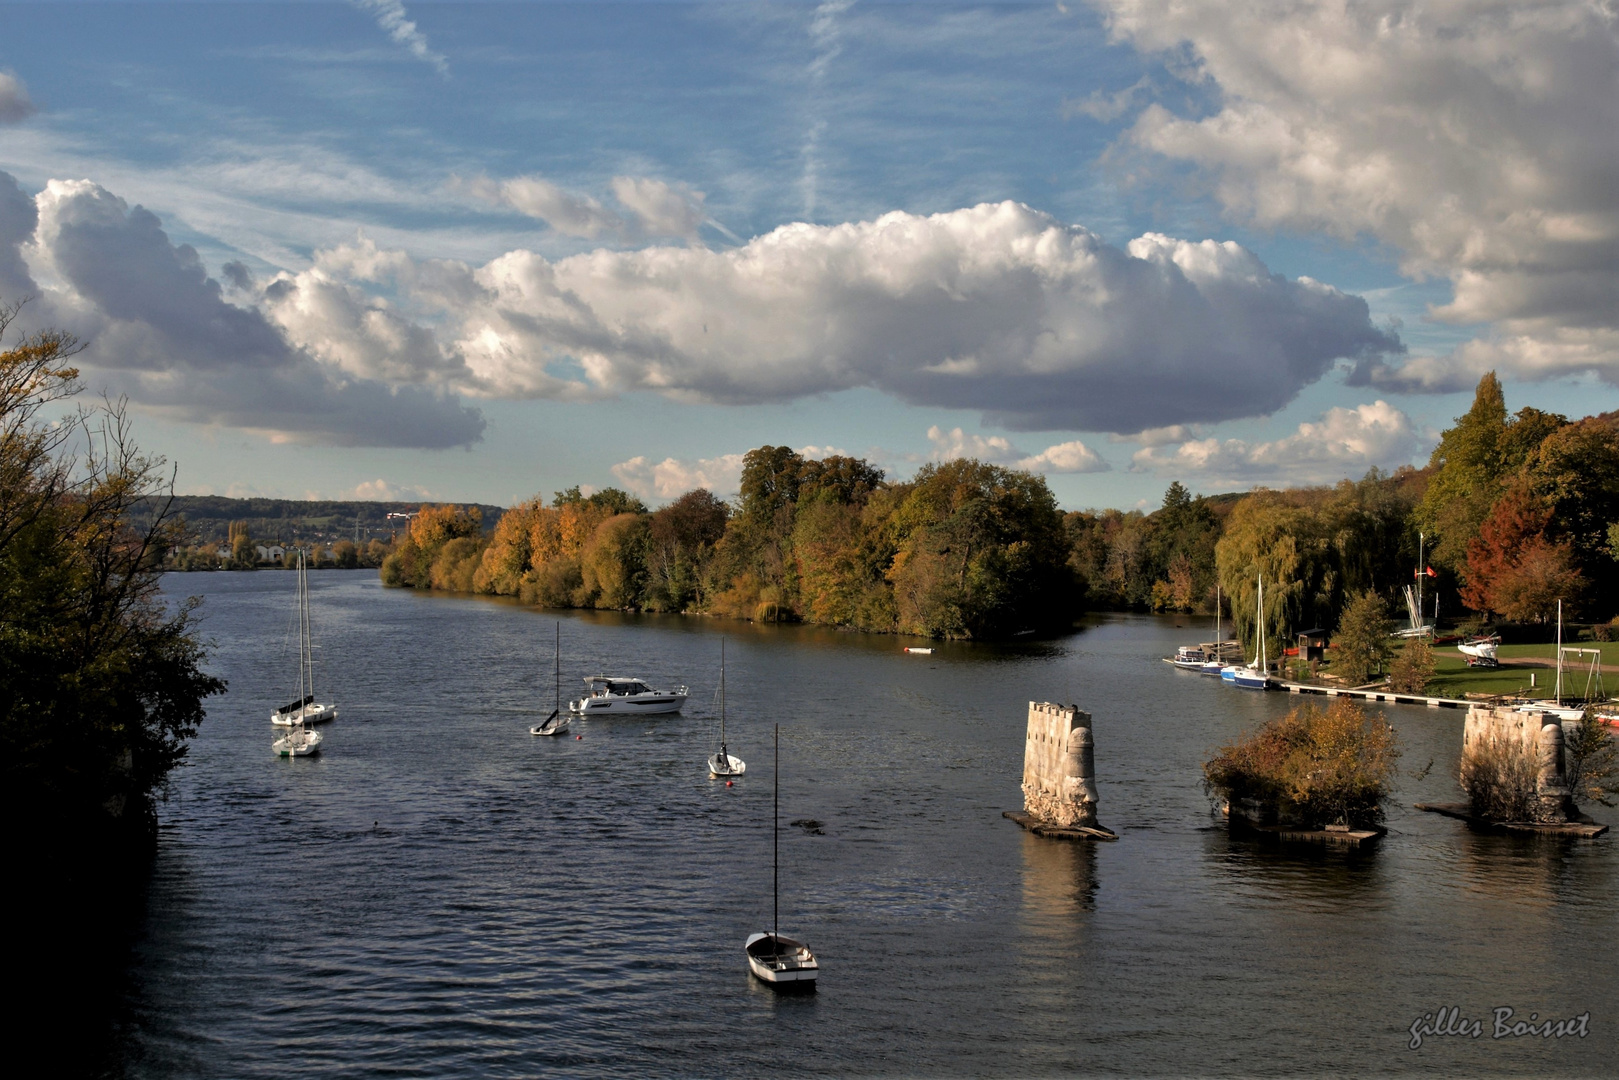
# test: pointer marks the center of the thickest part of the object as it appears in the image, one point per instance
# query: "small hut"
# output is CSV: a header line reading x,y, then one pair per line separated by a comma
x,y
1313,644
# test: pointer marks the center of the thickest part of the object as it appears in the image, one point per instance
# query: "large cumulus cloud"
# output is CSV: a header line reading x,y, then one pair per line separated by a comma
x,y
1474,137
161,331
1038,324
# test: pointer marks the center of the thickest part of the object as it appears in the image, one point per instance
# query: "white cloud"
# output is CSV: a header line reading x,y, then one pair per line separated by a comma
x,y
15,104
1159,436
1343,443
391,17
671,478
998,307
1069,457
650,208
1475,137
379,490
160,331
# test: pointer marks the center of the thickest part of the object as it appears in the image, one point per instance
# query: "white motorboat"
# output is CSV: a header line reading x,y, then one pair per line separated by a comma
x,y
305,710
781,963
613,694
558,721
723,766
301,741
1187,658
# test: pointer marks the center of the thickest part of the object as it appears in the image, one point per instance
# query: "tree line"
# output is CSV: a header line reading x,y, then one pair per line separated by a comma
x,y
1510,514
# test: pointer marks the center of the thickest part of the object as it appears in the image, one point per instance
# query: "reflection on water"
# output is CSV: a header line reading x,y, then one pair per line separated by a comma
x,y
442,894
1059,879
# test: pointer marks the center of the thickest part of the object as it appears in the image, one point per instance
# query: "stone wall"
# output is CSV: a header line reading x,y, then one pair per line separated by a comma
x,y
1059,766
1537,736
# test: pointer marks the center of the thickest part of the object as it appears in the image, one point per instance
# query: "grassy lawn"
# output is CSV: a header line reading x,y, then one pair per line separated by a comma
x,y
1453,678
1610,650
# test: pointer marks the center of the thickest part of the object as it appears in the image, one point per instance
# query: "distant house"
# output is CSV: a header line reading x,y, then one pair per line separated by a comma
x,y
274,553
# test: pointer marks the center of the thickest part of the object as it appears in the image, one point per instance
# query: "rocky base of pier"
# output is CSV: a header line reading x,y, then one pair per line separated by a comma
x,y
1581,826
1060,832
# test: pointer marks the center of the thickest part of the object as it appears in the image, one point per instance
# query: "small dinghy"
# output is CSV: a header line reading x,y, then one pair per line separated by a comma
x,y
557,722
917,651
780,962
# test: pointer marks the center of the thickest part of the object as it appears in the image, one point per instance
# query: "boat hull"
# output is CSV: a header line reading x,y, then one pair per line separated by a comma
x,y
635,704
782,963
309,714
720,768
555,727
1247,679
291,745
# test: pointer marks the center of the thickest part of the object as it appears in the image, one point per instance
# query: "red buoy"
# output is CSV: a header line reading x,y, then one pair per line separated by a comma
x,y
578,736
727,783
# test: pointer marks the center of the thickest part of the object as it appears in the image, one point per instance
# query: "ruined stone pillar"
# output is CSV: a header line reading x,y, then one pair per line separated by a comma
x,y
1551,786
1059,766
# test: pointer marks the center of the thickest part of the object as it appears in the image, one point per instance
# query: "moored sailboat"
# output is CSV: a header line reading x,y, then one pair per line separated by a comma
x,y
304,709
1256,675
782,963
303,740
723,765
557,722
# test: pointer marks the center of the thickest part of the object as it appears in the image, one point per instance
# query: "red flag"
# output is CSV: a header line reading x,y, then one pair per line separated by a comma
x,y
1432,572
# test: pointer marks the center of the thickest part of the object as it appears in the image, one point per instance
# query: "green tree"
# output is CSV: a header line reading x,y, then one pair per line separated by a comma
x,y
101,682
1467,468
1413,669
1361,645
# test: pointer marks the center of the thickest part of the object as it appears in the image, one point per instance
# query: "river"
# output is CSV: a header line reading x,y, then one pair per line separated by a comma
x,y
441,894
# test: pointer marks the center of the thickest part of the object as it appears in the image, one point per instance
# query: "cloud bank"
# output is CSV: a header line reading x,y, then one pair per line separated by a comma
x,y
1343,442
161,331
1474,137
1038,324
1069,457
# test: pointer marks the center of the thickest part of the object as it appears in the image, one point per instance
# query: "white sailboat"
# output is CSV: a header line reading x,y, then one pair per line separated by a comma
x,y
1254,676
722,766
305,709
302,740
557,722
780,962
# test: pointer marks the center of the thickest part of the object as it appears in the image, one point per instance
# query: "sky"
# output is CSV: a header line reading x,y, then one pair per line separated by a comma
x,y
483,251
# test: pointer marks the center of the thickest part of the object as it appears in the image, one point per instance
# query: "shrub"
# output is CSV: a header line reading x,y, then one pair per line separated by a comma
x,y
1313,766
1499,778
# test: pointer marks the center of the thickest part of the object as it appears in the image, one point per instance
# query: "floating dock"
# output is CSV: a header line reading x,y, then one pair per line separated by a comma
x,y
1386,696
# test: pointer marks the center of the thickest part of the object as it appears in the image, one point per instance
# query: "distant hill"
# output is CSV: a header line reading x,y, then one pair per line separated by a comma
x,y
286,520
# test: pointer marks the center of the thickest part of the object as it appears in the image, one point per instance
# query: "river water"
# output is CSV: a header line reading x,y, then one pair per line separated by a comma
x,y
441,894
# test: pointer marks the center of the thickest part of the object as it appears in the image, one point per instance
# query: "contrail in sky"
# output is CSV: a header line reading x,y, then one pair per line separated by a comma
x,y
391,17
825,32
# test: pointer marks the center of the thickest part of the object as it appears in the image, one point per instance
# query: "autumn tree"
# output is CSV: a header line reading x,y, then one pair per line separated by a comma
x,y
1513,568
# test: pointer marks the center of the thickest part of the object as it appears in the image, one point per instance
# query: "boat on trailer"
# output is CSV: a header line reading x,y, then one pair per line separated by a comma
x,y
615,694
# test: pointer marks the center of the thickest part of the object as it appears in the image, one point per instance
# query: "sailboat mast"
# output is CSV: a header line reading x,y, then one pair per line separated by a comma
x,y
776,852
1558,699
1420,539
306,656
558,682
1259,615
722,701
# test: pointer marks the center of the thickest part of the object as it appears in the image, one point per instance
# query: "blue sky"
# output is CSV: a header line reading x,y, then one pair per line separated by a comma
x,y
479,251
